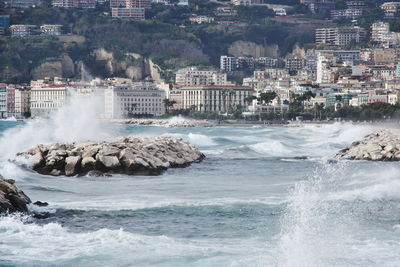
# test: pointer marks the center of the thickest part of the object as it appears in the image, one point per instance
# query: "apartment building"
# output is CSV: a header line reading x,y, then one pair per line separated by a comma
x,y
228,63
51,30
346,13
10,101
3,101
194,76
127,101
339,36
130,3
22,103
23,30
215,98
132,13
295,63
385,55
84,4
201,19
390,8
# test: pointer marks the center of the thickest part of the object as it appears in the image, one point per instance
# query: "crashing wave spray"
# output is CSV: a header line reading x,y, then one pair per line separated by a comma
x,y
314,229
78,120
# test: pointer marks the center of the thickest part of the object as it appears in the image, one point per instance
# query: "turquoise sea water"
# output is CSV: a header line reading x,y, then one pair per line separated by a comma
x,y
264,196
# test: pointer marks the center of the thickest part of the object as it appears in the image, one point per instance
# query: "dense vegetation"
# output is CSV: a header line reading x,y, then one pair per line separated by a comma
x,y
167,37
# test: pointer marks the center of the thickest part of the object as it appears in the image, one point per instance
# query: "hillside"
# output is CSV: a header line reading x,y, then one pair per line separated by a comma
x,y
166,38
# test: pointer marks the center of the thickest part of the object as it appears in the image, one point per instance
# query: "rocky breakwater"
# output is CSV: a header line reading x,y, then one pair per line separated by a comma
x,y
129,155
12,199
383,145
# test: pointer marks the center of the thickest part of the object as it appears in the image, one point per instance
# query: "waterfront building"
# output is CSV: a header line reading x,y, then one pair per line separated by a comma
x,y
3,101
10,101
196,76
132,13
47,99
128,101
176,96
22,103
51,30
377,96
215,98
23,30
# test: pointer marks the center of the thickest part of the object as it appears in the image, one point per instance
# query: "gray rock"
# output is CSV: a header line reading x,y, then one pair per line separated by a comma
x,y
72,164
12,199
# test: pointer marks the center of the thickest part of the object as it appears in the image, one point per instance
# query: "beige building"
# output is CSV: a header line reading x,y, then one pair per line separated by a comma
x,y
22,30
194,76
215,98
383,56
22,102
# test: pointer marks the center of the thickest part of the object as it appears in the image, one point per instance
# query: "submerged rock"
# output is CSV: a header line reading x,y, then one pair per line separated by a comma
x,y
383,145
12,199
129,155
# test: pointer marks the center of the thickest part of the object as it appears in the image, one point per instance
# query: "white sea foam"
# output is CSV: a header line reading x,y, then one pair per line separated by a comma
x,y
77,120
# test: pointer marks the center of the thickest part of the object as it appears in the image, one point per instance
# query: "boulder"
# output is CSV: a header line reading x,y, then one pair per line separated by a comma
x,y
12,199
72,163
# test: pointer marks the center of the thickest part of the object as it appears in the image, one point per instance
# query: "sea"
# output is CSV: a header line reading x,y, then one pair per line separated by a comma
x,y
263,196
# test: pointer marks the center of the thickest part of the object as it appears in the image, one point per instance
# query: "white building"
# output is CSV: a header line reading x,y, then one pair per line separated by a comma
x,y
325,61
229,63
194,76
45,100
22,103
215,98
126,101
339,36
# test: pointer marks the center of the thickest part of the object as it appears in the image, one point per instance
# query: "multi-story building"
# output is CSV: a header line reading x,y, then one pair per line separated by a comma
x,y
326,60
85,4
378,30
128,101
390,8
214,98
51,30
295,63
339,36
270,73
23,30
47,99
176,96
346,13
3,101
130,3
4,23
201,19
195,76
118,3
242,2
385,55
132,13
225,11
228,63
10,101
22,103
24,3
266,62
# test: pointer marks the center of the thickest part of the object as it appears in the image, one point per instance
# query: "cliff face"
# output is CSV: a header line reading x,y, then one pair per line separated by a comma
x,y
63,67
244,48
